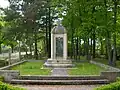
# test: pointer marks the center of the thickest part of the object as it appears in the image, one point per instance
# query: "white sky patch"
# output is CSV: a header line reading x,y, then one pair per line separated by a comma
x,y
4,3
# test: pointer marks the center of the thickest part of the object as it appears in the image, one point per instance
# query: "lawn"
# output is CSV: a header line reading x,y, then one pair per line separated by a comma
x,y
32,68
85,69
101,60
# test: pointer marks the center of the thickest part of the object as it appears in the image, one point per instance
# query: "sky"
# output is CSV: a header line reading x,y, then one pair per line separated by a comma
x,y
4,3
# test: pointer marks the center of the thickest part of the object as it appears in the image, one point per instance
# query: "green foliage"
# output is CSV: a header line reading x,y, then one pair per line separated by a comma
x,y
26,21
92,19
32,68
4,86
1,78
118,79
112,86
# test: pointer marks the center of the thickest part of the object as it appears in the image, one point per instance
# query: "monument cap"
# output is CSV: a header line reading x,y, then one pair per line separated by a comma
x,y
58,22
59,29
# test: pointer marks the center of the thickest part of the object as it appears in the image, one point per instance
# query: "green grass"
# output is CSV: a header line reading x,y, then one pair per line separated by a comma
x,y
85,69
32,68
101,60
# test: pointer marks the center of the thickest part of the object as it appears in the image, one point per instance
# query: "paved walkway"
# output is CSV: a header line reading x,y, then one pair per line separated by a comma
x,y
59,72
60,87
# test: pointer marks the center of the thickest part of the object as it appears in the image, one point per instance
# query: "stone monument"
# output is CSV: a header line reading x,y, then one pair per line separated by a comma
x,y
58,48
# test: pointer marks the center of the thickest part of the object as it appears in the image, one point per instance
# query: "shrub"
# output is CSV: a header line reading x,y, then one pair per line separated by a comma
x,y
112,86
4,86
118,79
1,78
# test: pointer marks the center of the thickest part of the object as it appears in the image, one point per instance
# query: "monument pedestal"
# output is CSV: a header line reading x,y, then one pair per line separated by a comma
x,y
58,63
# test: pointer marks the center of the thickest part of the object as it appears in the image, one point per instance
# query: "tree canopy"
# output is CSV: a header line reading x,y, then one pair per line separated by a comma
x,y
92,26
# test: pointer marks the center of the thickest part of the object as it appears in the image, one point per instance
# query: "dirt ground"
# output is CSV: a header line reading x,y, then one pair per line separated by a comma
x,y
60,87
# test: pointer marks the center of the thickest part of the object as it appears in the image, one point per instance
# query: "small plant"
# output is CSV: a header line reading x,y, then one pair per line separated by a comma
x,y
112,86
4,86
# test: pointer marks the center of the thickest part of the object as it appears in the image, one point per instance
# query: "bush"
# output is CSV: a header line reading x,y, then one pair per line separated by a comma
x,y
118,79
1,78
112,86
4,86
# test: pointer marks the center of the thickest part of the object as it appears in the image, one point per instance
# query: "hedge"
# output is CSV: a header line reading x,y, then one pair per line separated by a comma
x,y
4,86
112,86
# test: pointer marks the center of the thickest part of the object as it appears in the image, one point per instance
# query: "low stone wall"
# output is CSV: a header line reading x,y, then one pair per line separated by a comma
x,y
111,73
9,66
12,74
9,74
35,60
109,68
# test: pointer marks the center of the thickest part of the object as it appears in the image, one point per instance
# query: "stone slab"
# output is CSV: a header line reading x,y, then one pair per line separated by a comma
x,y
74,77
59,72
63,63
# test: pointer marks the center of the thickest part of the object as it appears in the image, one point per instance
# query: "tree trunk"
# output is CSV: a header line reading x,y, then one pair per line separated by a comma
x,y
114,51
26,52
72,45
49,49
108,36
114,35
12,48
85,48
36,53
102,50
30,47
79,48
94,44
74,49
0,49
94,36
91,49
19,51
106,51
88,47
72,41
108,42
47,46
84,51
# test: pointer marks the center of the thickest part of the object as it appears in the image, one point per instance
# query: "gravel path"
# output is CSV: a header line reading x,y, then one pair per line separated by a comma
x,y
60,87
59,72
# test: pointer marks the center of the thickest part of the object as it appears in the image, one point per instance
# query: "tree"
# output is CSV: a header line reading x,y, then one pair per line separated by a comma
x,y
25,16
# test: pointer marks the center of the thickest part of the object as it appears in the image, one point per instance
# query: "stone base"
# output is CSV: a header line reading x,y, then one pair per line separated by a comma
x,y
59,63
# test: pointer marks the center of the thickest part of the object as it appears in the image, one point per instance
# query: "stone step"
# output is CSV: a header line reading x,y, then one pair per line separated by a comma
x,y
59,82
59,65
61,77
